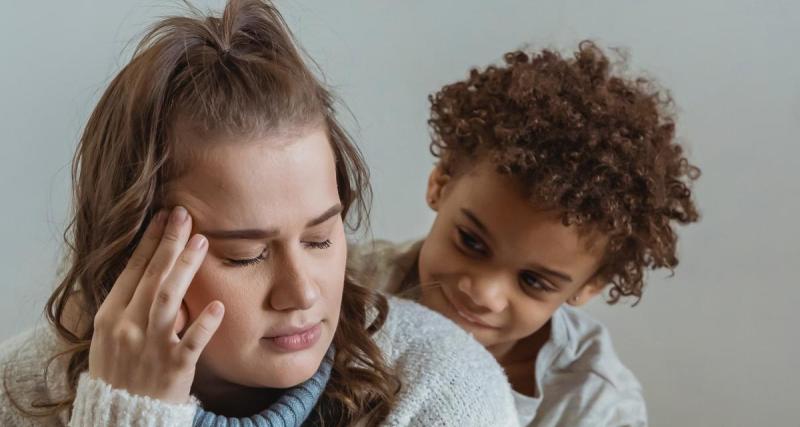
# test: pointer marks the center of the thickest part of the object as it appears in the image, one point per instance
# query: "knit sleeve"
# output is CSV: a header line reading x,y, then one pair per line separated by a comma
x,y
97,404
447,377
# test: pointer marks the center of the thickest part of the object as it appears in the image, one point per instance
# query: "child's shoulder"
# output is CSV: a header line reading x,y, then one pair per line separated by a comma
x,y
587,379
587,346
380,251
381,264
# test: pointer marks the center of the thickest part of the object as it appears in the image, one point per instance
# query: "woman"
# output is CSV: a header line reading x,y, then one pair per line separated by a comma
x,y
213,179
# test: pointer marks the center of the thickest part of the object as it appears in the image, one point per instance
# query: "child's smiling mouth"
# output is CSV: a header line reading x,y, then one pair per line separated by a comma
x,y
465,313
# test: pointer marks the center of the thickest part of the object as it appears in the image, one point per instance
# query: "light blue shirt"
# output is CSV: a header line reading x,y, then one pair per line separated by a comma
x,y
580,381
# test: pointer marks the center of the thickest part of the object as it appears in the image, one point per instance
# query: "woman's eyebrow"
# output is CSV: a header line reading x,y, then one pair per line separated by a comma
x,y
243,234
332,211
261,233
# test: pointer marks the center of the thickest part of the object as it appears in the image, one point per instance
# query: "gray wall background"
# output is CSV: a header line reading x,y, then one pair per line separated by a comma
x,y
715,345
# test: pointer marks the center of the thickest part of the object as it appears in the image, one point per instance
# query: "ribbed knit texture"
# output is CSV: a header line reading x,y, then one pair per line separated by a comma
x,y
98,404
291,410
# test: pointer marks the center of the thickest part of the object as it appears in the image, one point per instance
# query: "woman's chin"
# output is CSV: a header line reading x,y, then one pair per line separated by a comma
x,y
290,370
288,381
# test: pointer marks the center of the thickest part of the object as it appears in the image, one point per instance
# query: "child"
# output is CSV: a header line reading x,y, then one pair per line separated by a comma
x,y
213,179
556,179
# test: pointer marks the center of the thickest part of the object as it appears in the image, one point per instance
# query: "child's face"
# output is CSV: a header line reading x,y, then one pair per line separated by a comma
x,y
271,211
496,265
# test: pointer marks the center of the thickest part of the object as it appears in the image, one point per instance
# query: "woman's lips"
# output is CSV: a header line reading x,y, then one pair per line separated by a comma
x,y
465,314
299,339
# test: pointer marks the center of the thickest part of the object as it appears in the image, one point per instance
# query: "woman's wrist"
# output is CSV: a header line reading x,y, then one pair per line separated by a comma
x,y
97,403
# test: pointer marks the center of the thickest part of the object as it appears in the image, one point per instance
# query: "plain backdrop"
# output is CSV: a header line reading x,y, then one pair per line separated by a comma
x,y
714,345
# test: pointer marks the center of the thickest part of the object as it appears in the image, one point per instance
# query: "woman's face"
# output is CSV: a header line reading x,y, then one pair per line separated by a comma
x,y
271,212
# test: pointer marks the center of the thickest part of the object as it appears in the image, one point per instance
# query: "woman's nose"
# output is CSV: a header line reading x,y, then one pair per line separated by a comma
x,y
292,288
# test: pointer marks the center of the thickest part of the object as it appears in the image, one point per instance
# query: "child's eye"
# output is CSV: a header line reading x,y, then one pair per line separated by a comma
x,y
533,282
471,243
325,244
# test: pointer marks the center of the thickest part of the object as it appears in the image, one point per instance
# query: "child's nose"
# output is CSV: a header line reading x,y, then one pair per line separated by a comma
x,y
486,294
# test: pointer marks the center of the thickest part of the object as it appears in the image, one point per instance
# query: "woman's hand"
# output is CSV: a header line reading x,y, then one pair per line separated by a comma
x,y
135,346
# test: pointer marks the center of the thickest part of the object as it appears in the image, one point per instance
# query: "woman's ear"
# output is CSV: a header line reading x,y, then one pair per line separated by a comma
x,y
437,181
589,290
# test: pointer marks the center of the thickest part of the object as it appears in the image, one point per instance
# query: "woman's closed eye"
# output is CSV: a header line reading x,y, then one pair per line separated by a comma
x,y
241,262
324,244
312,244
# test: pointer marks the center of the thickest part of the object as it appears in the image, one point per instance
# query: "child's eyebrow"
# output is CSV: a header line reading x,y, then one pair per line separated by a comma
x,y
548,272
477,223
543,270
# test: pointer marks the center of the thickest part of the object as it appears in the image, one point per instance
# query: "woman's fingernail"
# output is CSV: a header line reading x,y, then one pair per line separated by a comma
x,y
216,308
197,242
160,217
179,215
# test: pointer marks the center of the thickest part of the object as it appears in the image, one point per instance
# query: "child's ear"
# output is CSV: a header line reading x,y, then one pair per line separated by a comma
x,y
589,290
437,180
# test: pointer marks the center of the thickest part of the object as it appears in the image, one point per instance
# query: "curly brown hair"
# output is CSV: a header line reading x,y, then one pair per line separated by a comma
x,y
583,139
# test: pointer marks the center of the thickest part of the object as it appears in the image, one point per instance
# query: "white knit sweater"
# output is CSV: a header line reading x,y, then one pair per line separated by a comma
x,y
448,380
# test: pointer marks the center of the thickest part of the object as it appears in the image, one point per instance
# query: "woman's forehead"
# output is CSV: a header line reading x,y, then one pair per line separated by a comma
x,y
257,179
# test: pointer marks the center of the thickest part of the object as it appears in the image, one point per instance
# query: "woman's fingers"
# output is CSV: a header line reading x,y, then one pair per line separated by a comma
x,y
125,285
167,302
199,333
182,320
172,244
